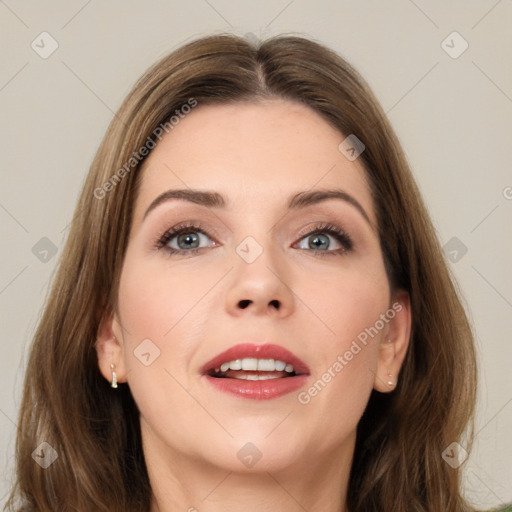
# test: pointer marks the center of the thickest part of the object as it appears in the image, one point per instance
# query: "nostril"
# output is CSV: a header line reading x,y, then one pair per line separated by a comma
x,y
244,303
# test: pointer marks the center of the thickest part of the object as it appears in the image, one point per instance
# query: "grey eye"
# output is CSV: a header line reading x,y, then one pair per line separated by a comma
x,y
318,241
188,240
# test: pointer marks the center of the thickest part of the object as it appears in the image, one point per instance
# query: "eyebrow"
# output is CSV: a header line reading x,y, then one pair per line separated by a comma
x,y
295,202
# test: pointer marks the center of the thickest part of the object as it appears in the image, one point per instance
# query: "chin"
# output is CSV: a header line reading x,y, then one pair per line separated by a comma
x,y
252,454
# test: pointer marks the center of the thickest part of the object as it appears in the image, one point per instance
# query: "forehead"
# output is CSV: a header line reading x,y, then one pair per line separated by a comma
x,y
252,153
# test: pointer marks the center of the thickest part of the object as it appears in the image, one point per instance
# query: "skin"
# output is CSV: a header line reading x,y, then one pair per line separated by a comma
x,y
256,155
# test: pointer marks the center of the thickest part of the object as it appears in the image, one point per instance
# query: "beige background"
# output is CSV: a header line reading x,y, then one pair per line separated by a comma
x,y
453,116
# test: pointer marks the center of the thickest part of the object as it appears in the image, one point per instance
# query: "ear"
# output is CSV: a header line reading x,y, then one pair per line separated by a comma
x,y
110,349
393,347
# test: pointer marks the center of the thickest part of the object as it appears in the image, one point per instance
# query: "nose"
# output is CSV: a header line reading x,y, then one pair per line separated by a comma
x,y
260,287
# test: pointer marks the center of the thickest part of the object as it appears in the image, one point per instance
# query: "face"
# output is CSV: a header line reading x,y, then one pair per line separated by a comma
x,y
299,276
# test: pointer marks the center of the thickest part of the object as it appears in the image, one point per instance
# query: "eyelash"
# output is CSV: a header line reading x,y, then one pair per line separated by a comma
x,y
322,228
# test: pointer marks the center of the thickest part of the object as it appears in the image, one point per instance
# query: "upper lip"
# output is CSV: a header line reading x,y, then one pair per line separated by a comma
x,y
258,351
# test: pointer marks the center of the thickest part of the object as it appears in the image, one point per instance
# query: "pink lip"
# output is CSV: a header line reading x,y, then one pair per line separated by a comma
x,y
262,389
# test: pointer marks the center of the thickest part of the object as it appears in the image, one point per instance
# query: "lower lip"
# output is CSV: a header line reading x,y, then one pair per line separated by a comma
x,y
258,389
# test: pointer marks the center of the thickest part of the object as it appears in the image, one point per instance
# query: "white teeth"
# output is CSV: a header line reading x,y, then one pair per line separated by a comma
x,y
236,365
266,365
249,363
253,364
249,376
280,365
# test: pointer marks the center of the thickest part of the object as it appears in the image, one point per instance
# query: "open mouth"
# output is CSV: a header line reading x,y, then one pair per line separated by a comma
x,y
253,369
257,372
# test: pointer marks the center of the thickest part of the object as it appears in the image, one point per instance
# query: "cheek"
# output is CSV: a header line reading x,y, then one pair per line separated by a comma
x,y
350,306
152,302
347,303
156,293
167,306
157,308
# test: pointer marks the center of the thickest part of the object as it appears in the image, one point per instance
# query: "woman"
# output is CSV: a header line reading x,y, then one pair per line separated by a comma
x,y
252,310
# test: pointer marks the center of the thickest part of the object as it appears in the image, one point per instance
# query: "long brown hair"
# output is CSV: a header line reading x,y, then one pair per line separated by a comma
x,y
398,462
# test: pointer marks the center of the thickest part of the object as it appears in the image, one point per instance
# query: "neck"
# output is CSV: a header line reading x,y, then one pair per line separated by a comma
x,y
316,482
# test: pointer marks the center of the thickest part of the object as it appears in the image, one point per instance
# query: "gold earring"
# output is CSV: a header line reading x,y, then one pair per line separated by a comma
x,y
114,376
